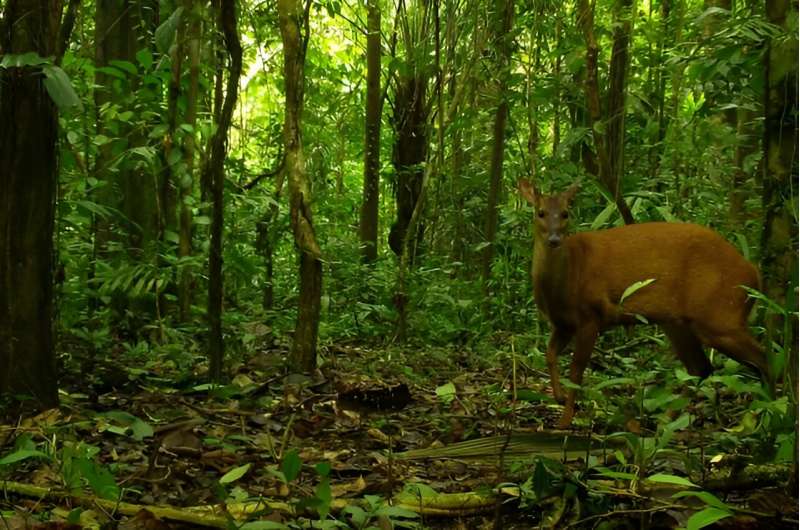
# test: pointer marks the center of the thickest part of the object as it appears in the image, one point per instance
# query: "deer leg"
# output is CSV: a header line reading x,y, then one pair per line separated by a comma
x,y
737,343
688,348
585,337
559,339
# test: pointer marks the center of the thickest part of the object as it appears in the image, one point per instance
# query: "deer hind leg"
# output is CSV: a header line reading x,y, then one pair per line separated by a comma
x,y
688,348
737,343
559,339
585,337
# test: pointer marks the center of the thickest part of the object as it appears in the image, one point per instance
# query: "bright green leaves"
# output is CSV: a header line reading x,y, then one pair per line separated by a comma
x,y
56,81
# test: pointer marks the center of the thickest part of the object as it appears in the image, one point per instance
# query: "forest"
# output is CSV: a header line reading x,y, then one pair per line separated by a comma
x,y
377,264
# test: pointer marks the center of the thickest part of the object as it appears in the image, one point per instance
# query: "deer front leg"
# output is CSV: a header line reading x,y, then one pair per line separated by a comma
x,y
559,340
585,338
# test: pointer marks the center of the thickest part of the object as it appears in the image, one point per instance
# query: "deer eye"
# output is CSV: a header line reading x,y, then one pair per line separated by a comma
x,y
564,215
540,213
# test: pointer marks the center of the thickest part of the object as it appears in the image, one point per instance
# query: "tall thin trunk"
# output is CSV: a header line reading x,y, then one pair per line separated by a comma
x,y
293,20
185,232
28,182
410,122
557,99
585,15
372,137
617,91
216,178
503,24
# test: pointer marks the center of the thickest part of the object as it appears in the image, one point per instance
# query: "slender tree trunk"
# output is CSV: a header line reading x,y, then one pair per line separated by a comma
x,y
603,168
505,19
372,137
410,122
410,152
28,182
779,237
216,178
557,99
617,91
293,20
185,278
746,145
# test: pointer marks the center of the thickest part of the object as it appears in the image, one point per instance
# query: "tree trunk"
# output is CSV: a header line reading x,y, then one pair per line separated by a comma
x,y
216,178
557,99
617,91
746,145
121,29
372,137
293,20
409,154
185,279
779,237
502,24
603,168
28,181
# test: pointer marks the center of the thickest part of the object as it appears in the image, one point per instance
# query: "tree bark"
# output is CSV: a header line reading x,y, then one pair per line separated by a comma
x,y
502,26
779,236
185,278
293,20
617,91
372,137
603,168
410,122
216,178
28,182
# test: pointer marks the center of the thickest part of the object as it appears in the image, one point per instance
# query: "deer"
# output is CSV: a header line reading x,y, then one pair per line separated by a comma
x,y
691,283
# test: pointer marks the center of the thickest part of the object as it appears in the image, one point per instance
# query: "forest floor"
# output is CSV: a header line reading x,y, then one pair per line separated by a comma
x,y
362,429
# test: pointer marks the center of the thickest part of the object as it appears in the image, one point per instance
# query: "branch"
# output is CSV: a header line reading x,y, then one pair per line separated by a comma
x,y
65,31
268,174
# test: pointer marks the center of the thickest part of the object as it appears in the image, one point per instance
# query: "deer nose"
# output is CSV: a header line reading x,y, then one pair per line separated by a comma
x,y
554,240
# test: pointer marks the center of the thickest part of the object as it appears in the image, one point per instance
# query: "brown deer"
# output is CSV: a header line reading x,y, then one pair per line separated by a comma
x,y
691,287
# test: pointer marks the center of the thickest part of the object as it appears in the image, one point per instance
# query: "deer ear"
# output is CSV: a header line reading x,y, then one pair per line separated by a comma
x,y
527,190
571,191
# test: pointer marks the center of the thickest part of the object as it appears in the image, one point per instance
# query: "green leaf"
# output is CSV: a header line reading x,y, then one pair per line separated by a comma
x,y
323,469
446,392
22,454
396,511
706,517
291,465
99,478
663,478
16,60
139,429
145,58
617,381
708,498
234,474
635,287
125,66
165,33
60,88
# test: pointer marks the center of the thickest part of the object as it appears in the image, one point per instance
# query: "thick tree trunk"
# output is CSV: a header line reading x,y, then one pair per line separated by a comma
x,y
779,237
372,137
293,20
603,168
28,181
216,178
